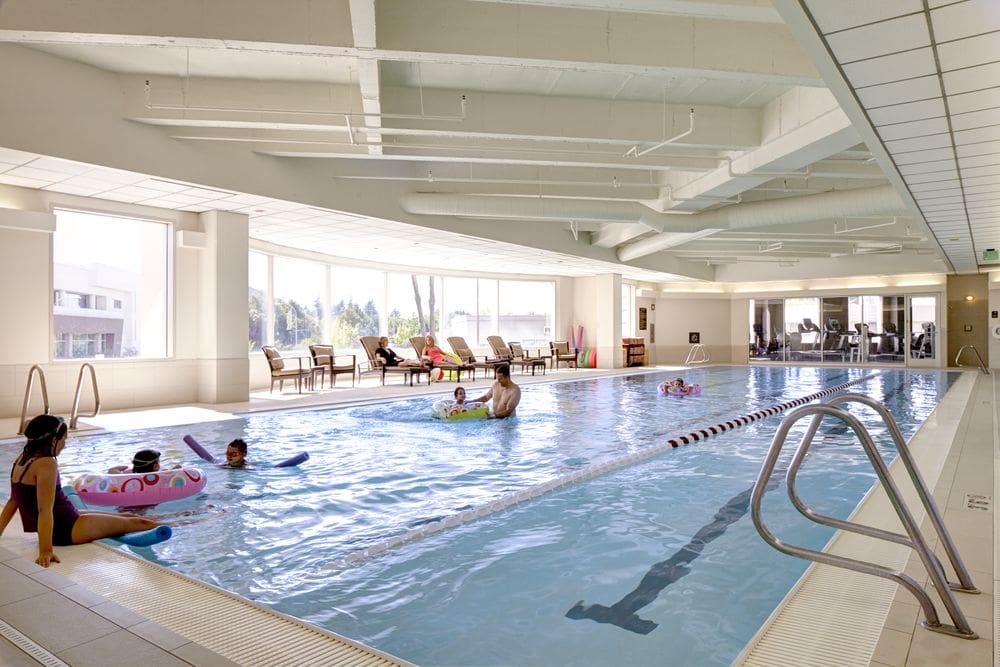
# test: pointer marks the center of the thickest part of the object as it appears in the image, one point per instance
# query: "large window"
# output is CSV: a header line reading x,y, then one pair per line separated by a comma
x,y
356,301
414,305
299,293
527,311
628,311
111,287
469,309
259,281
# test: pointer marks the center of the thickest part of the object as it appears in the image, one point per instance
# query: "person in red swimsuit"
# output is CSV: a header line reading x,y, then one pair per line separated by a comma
x,y
433,354
36,494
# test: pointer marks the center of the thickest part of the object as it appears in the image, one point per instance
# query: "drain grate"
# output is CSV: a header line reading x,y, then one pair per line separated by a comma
x,y
978,501
41,655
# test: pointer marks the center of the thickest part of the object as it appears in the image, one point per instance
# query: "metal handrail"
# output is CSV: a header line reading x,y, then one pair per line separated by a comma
x,y
75,414
913,538
982,365
693,356
27,396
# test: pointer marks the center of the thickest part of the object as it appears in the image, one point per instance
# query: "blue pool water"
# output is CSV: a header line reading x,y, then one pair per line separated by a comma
x,y
505,589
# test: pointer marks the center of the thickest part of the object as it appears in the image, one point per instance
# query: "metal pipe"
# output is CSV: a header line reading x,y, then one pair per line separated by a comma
x,y
635,152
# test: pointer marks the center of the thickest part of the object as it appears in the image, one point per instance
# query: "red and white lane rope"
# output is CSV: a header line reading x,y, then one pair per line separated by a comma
x,y
533,492
702,434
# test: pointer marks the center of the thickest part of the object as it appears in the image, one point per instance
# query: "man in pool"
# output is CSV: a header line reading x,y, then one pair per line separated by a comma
x,y
505,394
236,454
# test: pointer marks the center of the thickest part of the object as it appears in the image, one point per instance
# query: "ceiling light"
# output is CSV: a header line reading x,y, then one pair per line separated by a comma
x,y
969,297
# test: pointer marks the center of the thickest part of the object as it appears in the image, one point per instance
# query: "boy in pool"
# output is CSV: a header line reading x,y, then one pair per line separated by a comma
x,y
236,454
459,395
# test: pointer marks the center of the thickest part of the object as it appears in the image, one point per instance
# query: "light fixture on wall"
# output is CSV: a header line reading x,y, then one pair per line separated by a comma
x,y
969,297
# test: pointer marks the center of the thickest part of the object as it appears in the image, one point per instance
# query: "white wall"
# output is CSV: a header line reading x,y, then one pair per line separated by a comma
x,y
597,306
678,315
25,262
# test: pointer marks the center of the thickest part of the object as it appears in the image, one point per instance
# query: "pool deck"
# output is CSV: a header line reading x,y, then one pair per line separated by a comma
x,y
102,607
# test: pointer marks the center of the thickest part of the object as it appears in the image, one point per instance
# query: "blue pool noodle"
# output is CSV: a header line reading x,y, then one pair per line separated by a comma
x,y
198,449
145,538
294,461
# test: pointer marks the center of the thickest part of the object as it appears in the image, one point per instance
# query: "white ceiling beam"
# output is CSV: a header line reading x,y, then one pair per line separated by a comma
x,y
738,10
363,32
723,49
439,31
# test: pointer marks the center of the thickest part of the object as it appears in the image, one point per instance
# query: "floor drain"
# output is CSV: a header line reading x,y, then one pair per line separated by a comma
x,y
40,654
978,501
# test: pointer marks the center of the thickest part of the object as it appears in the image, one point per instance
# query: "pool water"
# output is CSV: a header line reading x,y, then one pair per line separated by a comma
x,y
650,564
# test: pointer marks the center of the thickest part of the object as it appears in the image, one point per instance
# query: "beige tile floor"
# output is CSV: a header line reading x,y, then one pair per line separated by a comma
x,y
83,628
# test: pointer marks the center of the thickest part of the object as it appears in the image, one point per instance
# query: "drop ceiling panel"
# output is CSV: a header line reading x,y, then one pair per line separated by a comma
x,y
975,101
901,113
963,19
893,67
918,144
967,52
879,39
834,16
927,167
914,129
972,78
899,92
924,156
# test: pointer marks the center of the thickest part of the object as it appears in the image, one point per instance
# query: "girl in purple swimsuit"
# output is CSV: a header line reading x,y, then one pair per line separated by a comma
x,y
36,494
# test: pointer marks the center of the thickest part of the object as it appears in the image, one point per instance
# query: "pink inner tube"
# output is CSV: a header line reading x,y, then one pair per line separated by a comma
x,y
136,489
693,390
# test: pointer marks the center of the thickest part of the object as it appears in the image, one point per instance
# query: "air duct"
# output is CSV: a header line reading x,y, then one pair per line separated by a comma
x,y
675,227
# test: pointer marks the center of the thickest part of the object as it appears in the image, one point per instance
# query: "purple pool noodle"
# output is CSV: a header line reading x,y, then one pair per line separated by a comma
x,y
198,449
294,461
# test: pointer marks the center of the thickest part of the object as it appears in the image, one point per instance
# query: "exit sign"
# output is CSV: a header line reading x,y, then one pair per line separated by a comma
x,y
991,255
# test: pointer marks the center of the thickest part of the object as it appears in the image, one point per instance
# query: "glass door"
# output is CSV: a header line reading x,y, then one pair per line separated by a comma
x,y
924,338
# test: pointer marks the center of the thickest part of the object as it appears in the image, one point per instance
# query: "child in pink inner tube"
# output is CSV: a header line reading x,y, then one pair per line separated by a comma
x,y
677,387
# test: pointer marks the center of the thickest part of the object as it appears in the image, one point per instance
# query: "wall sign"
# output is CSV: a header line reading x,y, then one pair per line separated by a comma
x,y
694,337
642,319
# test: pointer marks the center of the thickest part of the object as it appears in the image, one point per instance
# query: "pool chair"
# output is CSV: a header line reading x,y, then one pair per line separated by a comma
x,y
327,361
279,373
520,357
561,353
375,365
456,371
464,352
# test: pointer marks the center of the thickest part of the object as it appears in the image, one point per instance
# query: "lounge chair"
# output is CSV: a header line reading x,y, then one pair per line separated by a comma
x,y
279,373
501,350
370,343
521,358
464,352
561,353
418,346
325,359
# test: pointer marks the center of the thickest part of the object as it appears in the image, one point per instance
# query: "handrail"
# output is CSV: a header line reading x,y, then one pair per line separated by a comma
x,y
913,539
695,358
27,396
75,414
982,365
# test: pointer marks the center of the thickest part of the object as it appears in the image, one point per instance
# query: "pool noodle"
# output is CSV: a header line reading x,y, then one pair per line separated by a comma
x,y
293,461
199,450
145,538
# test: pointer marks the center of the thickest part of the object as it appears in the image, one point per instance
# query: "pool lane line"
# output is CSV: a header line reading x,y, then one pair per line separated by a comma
x,y
504,502
722,427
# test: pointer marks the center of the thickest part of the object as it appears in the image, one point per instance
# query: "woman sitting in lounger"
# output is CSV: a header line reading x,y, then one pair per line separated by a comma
x,y
434,355
389,356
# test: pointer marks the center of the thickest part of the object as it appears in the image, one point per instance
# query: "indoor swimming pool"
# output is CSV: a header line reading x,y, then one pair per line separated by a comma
x,y
649,560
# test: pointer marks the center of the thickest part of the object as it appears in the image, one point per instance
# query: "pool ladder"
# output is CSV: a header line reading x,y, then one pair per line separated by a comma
x,y
36,370
979,358
697,355
913,538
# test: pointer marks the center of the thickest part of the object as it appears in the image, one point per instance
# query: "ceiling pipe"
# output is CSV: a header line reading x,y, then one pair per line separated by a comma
x,y
881,200
634,151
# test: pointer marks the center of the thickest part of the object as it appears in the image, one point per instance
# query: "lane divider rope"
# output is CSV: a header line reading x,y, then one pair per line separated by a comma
x,y
589,472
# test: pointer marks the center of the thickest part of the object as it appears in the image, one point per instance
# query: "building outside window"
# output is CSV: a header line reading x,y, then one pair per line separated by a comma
x,y
102,259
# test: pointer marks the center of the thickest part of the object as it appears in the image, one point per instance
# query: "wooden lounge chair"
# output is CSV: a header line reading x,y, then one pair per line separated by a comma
x,y
279,373
464,352
418,346
522,359
501,350
561,353
370,343
325,359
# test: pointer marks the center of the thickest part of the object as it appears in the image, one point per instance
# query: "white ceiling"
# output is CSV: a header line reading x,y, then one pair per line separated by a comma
x,y
593,108
924,74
